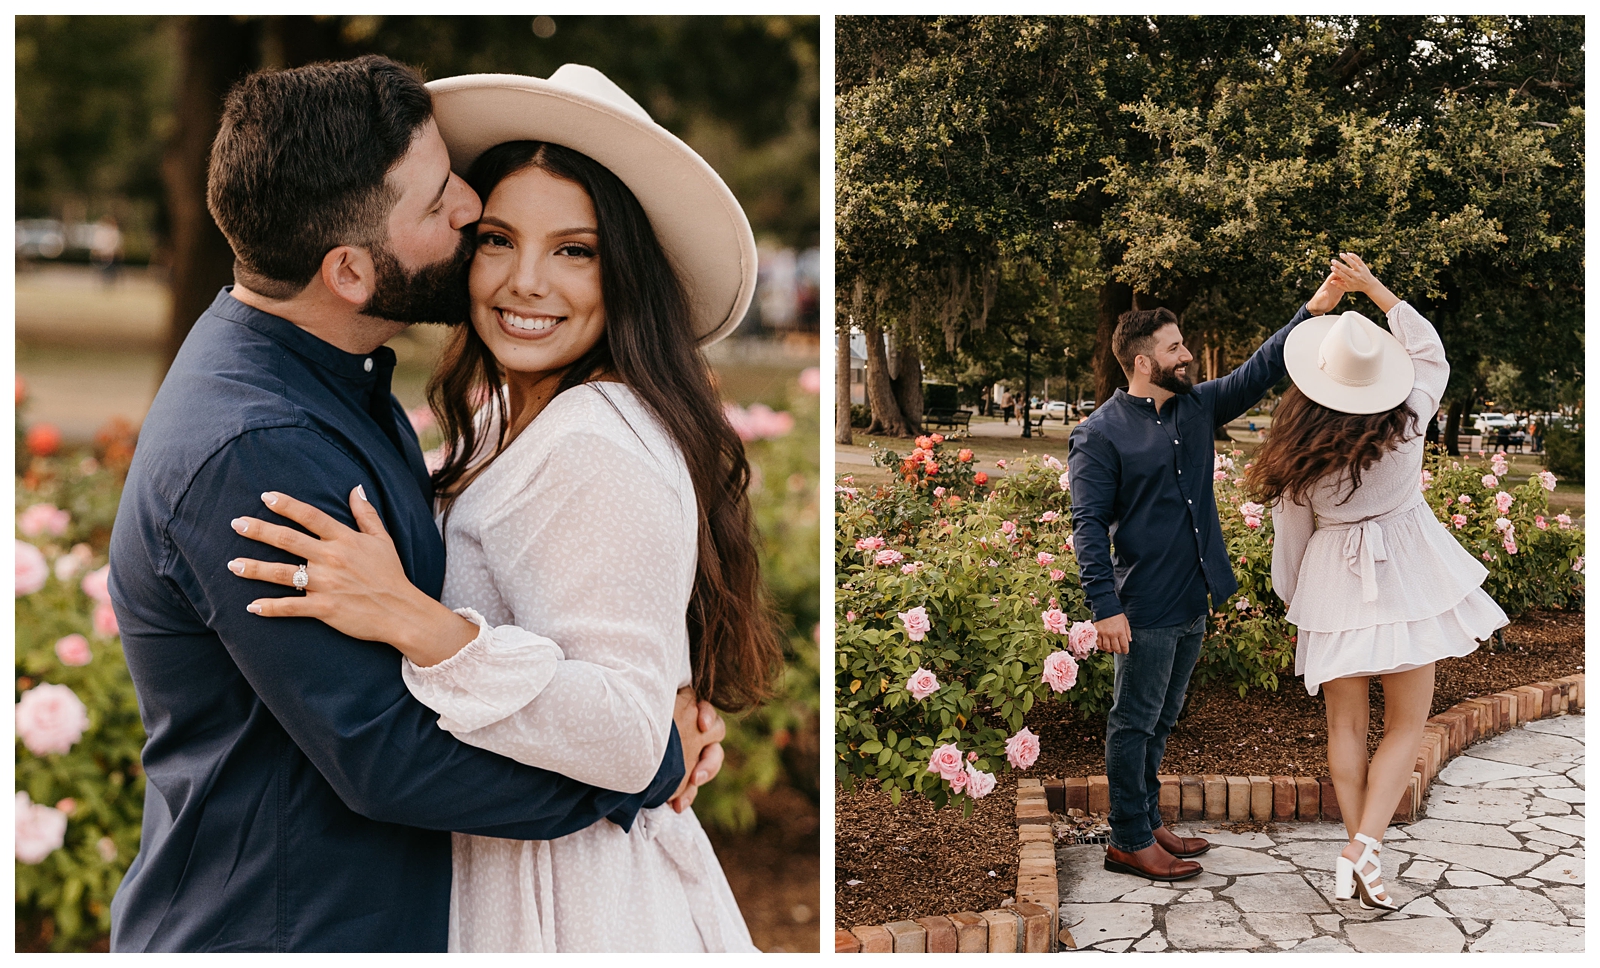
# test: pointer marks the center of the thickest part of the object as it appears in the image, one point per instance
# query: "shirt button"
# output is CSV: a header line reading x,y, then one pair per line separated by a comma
x,y
369,361
1196,530
1191,502
1180,470
366,364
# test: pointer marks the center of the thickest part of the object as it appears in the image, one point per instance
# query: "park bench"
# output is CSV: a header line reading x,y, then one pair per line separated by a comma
x,y
953,420
1037,423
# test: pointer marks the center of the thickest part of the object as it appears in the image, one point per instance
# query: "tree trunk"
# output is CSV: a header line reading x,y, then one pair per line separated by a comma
x,y
1115,299
886,418
908,383
1025,405
1452,427
842,433
216,52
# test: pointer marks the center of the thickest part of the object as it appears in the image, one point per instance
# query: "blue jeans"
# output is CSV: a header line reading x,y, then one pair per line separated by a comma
x,y
1151,680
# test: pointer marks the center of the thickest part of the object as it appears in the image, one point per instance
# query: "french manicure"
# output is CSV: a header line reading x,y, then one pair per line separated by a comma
x,y
362,493
238,525
236,566
268,498
254,608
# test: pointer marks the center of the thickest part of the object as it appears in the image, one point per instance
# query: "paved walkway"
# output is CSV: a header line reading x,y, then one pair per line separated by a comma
x,y
1496,865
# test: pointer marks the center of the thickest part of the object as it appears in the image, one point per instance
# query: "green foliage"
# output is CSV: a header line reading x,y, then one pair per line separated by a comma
x,y
970,557
1563,450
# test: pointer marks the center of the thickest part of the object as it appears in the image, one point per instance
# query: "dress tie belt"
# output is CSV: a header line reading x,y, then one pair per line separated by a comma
x,y
1364,547
675,834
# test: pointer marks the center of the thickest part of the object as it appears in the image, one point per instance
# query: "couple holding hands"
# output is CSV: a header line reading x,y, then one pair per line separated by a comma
x,y
1374,583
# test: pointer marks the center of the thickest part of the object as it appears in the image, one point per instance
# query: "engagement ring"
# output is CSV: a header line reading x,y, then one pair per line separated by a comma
x,y
301,579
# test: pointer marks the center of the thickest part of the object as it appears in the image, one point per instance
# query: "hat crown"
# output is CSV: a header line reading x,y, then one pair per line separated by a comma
x,y
1350,353
588,81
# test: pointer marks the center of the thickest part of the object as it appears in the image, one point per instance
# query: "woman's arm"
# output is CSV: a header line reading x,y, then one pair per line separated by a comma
x,y
1292,525
1415,333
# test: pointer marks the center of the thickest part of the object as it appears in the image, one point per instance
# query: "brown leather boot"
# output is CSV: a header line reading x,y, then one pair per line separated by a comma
x,y
1180,846
1153,862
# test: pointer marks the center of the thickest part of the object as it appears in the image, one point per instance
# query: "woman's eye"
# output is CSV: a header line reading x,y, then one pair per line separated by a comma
x,y
493,239
576,251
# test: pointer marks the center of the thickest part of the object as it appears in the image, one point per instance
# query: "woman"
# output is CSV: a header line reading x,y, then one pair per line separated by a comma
x,y
600,542
1388,590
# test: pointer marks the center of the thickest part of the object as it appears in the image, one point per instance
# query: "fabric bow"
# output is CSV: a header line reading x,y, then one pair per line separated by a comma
x,y
1363,549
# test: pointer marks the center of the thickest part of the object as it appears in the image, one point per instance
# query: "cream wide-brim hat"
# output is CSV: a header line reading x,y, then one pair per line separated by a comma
x,y
1349,363
698,222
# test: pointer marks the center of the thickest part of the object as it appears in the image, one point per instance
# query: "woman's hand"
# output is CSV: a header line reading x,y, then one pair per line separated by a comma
x,y
1327,296
1354,276
701,731
355,581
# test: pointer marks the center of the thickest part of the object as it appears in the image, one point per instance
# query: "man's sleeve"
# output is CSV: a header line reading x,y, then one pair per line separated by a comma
x,y
1237,392
1092,468
342,700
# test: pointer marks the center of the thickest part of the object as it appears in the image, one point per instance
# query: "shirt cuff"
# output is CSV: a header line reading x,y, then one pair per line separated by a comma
x,y
496,674
1105,606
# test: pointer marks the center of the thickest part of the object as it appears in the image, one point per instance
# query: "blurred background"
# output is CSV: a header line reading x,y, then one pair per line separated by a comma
x,y
116,256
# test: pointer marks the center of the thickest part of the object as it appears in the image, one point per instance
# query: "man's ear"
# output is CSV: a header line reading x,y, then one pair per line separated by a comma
x,y
349,273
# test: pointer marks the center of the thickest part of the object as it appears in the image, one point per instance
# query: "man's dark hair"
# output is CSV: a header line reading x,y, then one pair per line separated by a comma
x,y
1135,332
300,162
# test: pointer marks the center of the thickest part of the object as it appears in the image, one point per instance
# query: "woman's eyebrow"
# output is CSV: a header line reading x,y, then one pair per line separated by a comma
x,y
491,220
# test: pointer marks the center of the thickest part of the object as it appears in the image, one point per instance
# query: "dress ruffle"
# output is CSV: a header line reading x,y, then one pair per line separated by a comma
x,y
1396,646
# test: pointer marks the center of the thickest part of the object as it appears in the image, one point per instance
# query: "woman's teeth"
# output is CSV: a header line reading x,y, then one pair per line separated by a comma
x,y
532,323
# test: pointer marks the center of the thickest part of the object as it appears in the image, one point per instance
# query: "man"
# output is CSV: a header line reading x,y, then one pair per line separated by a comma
x,y
1141,472
298,797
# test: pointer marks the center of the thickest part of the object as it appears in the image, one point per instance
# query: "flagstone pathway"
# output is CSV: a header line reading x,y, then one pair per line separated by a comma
x,y
1496,865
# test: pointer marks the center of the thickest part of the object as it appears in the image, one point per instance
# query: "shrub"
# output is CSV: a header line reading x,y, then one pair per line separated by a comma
x,y
1563,450
860,416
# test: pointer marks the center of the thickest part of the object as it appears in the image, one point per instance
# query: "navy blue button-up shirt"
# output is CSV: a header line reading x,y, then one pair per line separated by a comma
x,y
1144,515
298,798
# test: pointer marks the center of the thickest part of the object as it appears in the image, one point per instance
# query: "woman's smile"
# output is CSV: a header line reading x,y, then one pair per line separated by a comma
x,y
527,324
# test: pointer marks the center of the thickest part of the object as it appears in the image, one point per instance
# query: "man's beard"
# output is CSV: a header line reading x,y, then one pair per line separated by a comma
x,y
1169,379
435,293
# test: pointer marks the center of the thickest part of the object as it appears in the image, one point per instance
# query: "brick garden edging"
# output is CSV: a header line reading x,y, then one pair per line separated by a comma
x,y
1030,925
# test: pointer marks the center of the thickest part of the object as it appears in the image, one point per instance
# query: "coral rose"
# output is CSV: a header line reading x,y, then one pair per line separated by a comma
x,y
980,478
50,719
963,455
922,684
42,440
916,622
1083,638
1060,671
1055,620
73,650
32,570
925,443
41,829
1022,750
979,783
946,761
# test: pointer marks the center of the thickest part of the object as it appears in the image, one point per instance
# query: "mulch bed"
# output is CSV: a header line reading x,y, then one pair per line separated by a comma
x,y
912,861
775,871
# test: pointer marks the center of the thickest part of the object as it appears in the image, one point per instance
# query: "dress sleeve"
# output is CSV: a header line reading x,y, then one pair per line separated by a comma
x,y
1422,342
1292,525
592,553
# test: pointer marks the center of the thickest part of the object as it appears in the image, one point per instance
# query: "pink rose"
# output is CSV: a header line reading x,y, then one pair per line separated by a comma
x,y
1056,574
1427,480
1045,558
1000,464
40,829
1055,620
888,556
811,380
1047,517
939,491
1008,527
945,761
1464,499
849,616
41,518
434,459
1252,522
1082,639
1251,509
910,568
1022,750
1067,545
916,622
73,650
1219,475
50,719
937,438
94,585
1489,480
922,684
979,783
1539,522
1459,520
1242,605
1052,463
1510,544
958,782
1577,564
66,805
972,756
1064,480
870,544
106,848
1060,671
1502,524
73,562
1547,480
32,571
1502,502
421,419
1564,521
104,621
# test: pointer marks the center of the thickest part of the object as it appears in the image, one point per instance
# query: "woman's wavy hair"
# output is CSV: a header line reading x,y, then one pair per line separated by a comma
x,y
649,343
1308,442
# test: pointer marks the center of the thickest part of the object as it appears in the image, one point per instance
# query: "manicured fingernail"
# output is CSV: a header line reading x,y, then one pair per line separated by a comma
x,y
253,608
269,498
700,778
236,566
238,525
361,493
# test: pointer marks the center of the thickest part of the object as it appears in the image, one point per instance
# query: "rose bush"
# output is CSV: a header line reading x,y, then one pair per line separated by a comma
x,y
1001,622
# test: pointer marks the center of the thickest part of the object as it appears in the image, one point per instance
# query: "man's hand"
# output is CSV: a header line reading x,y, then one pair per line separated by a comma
x,y
701,731
1114,634
1327,295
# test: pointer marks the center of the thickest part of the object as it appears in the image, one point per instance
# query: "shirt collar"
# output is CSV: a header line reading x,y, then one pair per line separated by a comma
x,y
358,368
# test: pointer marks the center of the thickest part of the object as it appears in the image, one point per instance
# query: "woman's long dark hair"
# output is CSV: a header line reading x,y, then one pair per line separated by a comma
x,y
649,343
1308,442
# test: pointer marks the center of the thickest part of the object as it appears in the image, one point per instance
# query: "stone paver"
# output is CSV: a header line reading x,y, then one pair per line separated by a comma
x,y
1496,864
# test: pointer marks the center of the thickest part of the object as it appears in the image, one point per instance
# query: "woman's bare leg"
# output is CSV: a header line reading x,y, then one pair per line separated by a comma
x,y
1348,715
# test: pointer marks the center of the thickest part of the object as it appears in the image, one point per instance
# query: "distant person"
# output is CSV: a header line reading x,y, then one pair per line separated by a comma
x,y
301,790
1141,469
1536,433
105,249
1008,406
1374,583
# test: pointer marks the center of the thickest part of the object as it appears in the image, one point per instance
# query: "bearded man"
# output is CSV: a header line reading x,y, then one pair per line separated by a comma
x,y
1150,551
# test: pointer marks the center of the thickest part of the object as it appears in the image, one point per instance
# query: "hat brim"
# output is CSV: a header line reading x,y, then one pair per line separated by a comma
x,y
1396,373
695,216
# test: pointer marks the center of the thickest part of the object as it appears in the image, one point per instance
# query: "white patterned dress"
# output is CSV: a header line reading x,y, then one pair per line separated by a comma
x,y
578,548
1382,586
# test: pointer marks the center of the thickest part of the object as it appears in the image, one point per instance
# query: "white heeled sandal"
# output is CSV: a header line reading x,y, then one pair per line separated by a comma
x,y
1348,879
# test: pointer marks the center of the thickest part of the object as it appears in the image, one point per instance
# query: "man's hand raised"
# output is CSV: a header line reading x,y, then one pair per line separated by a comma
x,y
1327,295
701,731
1114,634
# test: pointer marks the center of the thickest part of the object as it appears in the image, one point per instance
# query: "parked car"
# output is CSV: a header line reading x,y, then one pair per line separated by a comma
x,y
40,238
1056,410
1084,407
1488,423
